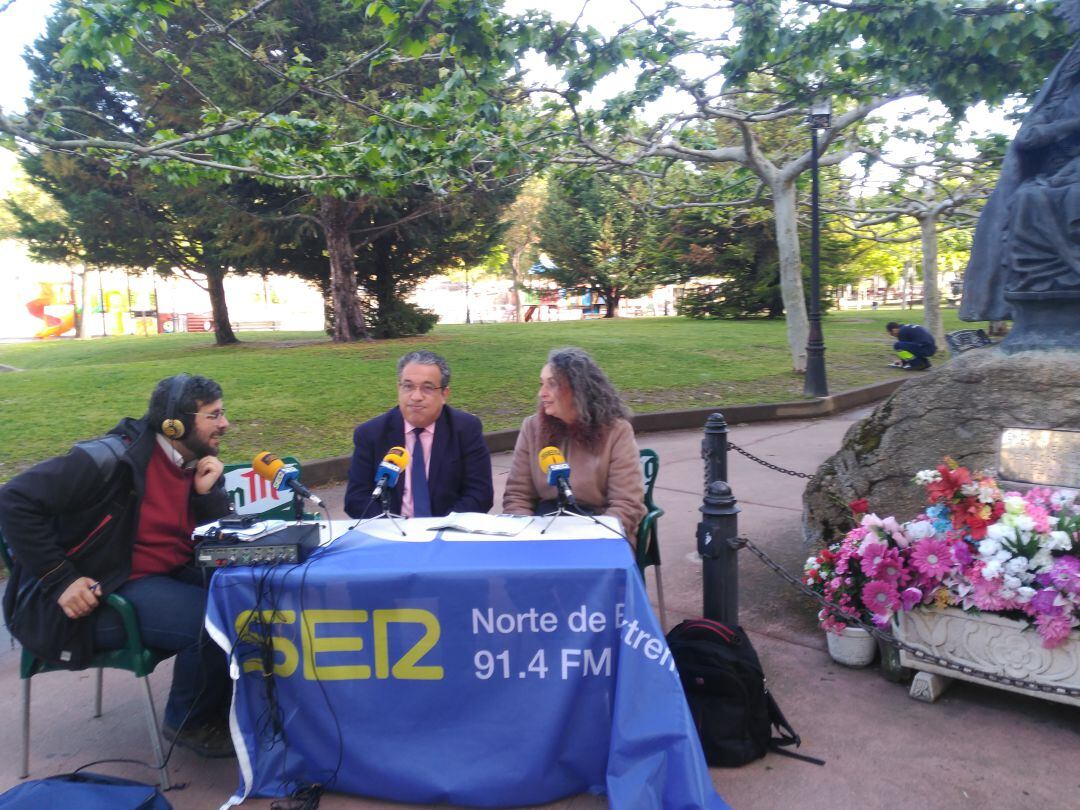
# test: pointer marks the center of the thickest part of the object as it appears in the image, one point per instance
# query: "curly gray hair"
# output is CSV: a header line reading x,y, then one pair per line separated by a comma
x,y
595,399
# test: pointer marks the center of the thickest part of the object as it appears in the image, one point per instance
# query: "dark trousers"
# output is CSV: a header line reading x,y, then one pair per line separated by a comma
x,y
170,611
917,349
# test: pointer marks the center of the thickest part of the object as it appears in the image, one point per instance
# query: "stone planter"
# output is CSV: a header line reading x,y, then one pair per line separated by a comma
x,y
852,647
989,643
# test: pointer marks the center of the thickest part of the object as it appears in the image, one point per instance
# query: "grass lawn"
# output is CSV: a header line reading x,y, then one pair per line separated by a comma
x,y
299,394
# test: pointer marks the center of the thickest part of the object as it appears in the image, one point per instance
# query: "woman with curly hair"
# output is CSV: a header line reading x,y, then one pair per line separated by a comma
x,y
580,413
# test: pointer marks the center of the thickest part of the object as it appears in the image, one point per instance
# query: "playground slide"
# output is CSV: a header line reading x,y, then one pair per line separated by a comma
x,y
65,324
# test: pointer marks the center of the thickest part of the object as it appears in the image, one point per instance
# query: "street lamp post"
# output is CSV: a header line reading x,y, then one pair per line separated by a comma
x,y
815,385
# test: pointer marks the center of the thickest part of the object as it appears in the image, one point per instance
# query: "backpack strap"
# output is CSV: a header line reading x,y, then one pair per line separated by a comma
x,y
105,451
707,627
787,734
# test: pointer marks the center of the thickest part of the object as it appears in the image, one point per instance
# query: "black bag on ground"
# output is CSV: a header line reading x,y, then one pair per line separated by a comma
x,y
725,687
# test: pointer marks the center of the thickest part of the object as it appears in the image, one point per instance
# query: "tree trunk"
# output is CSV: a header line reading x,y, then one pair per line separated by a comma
x,y
905,285
931,295
83,326
515,277
611,301
791,285
223,331
335,217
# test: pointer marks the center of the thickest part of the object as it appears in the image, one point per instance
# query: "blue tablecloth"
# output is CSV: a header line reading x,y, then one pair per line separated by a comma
x,y
491,674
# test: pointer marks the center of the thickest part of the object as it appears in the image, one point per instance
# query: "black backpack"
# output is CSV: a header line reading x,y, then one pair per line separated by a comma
x,y
725,688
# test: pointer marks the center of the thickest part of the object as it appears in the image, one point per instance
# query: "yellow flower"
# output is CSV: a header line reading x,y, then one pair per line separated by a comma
x,y
941,598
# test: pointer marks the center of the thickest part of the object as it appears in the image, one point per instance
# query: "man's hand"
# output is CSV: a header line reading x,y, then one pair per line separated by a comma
x,y
80,598
208,470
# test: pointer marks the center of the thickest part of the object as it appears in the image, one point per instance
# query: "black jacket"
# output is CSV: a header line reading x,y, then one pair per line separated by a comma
x,y
76,515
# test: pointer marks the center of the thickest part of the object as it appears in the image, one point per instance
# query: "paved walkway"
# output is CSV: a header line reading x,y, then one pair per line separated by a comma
x,y
978,747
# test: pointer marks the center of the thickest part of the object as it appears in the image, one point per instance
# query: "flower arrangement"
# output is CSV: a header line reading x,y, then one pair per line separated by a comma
x,y
974,547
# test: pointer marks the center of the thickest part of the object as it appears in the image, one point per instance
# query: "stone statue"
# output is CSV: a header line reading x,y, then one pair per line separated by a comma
x,y
1025,261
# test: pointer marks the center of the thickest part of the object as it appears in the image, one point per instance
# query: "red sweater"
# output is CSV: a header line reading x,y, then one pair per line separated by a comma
x,y
163,539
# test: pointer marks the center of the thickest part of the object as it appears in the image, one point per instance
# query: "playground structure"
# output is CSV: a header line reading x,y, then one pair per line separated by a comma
x,y
111,309
54,305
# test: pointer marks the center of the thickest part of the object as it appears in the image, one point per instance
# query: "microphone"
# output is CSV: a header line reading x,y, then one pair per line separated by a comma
x,y
386,474
282,476
554,466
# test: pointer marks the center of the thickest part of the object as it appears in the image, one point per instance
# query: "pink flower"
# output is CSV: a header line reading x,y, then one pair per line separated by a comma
x,y
961,552
1041,518
1053,629
985,594
932,557
872,555
1065,575
910,597
892,568
880,597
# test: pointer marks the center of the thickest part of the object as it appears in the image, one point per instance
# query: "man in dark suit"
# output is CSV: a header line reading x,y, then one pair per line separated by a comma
x,y
449,466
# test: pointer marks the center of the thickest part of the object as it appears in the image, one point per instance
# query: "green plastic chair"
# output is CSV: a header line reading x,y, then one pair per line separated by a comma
x,y
134,657
648,540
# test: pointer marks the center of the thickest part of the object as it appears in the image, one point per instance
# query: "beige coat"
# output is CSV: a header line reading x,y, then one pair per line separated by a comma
x,y
607,480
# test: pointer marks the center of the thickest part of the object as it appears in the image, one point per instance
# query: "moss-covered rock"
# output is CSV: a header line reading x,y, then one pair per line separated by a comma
x,y
958,410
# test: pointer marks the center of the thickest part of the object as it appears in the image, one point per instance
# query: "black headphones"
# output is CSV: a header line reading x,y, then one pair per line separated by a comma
x,y
172,426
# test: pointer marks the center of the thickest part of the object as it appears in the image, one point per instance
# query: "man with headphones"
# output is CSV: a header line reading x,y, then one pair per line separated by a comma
x,y
116,514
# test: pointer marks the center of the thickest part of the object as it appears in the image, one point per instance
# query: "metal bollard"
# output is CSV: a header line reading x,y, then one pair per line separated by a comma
x,y
718,531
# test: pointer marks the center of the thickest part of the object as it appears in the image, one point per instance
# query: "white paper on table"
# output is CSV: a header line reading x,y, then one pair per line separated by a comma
x,y
483,523
563,527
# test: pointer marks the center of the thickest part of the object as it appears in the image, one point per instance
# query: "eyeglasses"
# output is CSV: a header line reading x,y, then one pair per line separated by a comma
x,y
426,389
213,416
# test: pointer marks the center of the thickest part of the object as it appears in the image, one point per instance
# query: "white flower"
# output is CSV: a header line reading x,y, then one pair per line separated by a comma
x,y
988,494
919,529
1025,594
1024,523
991,569
1061,498
990,546
1042,560
1000,533
1058,541
1012,583
924,477
969,490
1017,565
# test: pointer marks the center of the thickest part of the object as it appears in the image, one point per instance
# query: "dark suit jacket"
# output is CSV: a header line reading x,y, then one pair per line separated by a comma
x,y
459,471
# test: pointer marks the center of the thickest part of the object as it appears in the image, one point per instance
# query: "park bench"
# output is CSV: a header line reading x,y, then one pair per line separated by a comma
x,y
964,340
271,326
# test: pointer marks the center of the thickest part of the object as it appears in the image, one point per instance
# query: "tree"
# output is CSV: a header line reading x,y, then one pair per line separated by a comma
x,y
522,237
738,247
596,237
347,103
941,192
398,251
770,60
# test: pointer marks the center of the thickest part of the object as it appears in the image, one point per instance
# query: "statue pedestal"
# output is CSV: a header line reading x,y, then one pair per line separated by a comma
x,y
956,409
1043,321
